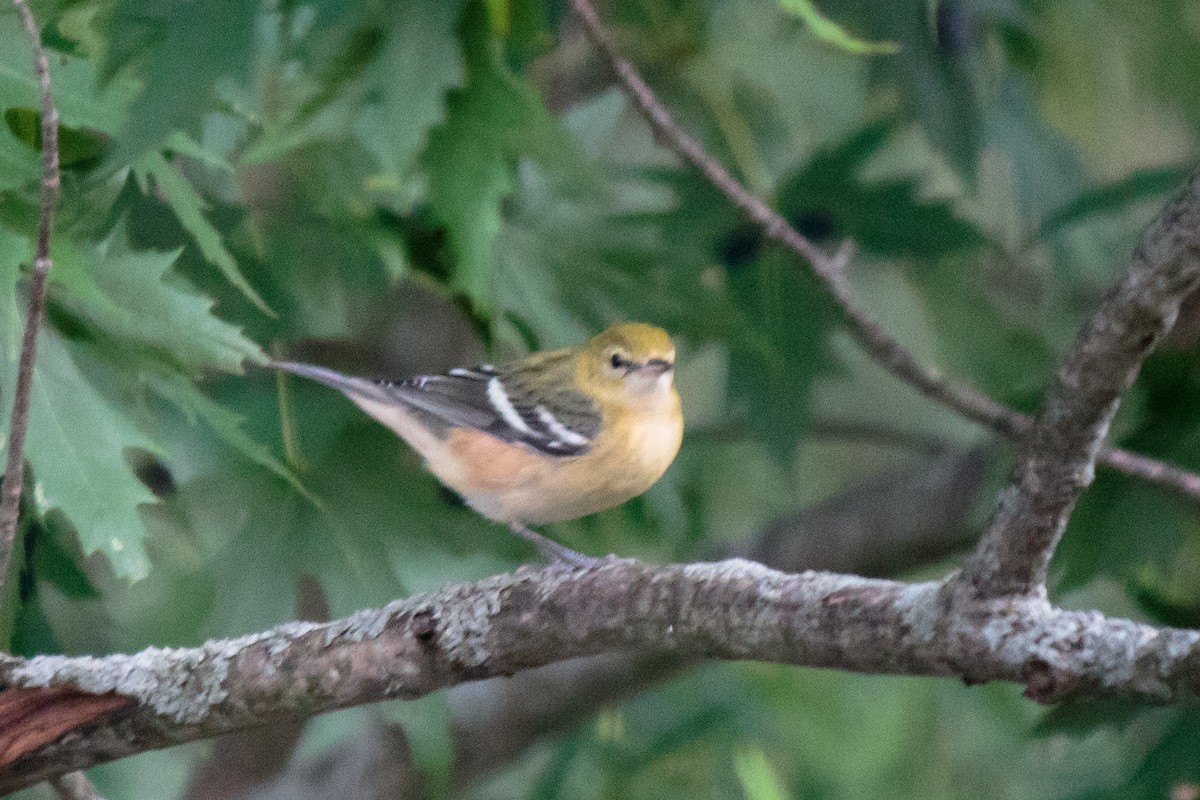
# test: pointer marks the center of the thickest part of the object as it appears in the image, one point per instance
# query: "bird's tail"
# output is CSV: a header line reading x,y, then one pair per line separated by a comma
x,y
354,388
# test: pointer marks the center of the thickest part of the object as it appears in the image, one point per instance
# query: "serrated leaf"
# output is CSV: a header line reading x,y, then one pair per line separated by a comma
x,y
420,60
831,33
80,98
887,217
780,349
225,423
133,300
181,49
936,85
189,207
470,158
76,446
576,252
78,148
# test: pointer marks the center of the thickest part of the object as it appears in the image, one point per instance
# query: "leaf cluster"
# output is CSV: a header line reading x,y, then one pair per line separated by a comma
x,y
393,188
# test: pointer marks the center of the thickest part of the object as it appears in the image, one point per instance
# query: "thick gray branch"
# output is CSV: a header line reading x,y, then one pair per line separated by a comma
x,y
732,609
894,521
1057,460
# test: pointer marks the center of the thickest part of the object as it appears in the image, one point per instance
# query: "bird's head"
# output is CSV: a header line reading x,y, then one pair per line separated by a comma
x,y
630,362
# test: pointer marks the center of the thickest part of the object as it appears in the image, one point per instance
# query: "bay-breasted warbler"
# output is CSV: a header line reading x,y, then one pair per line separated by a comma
x,y
553,436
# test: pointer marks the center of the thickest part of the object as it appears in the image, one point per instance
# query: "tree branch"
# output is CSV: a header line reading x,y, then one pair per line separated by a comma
x,y
733,610
881,346
74,786
1057,461
895,521
10,494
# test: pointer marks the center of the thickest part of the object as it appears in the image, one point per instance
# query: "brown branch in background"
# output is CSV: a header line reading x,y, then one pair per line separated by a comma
x,y
10,496
830,270
1057,461
377,764
74,786
243,760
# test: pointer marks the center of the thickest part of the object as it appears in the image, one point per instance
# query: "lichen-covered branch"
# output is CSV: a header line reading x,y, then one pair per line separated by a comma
x,y
892,522
732,609
1058,457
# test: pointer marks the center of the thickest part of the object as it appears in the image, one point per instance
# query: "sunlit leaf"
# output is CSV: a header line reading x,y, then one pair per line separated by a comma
x,y
830,32
758,779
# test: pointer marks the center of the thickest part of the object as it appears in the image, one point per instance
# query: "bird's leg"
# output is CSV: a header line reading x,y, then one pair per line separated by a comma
x,y
551,550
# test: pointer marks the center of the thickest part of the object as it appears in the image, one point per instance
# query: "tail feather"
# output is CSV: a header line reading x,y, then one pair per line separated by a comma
x,y
350,386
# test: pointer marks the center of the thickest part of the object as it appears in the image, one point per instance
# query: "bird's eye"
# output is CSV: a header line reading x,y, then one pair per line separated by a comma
x,y
617,362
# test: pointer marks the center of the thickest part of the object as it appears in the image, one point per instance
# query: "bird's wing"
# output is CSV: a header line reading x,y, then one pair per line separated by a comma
x,y
496,401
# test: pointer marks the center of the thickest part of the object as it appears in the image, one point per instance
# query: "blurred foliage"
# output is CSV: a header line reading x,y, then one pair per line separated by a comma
x,y
401,187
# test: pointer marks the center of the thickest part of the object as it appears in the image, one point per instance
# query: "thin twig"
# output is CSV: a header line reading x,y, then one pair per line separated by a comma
x,y
14,472
830,270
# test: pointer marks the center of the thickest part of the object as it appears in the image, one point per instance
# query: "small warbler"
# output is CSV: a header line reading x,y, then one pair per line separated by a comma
x,y
553,436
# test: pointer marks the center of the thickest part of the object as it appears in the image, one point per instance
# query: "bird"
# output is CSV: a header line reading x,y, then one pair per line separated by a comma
x,y
552,436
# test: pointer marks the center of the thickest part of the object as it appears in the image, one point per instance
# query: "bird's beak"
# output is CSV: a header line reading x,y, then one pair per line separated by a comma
x,y
657,366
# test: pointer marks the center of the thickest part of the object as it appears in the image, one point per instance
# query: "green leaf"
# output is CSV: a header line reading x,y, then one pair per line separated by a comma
x,y
936,86
1097,540
831,33
78,148
887,217
419,62
758,778
14,250
1168,768
181,49
82,101
76,446
1047,169
996,343
132,300
470,158
781,348
225,423
1139,186
1083,716
610,240
189,207
19,164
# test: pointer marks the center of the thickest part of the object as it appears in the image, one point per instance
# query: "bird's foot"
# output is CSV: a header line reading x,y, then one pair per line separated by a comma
x,y
554,552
